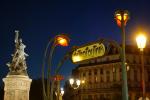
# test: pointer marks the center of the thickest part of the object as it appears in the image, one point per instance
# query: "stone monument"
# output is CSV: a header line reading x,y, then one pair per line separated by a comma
x,y
17,82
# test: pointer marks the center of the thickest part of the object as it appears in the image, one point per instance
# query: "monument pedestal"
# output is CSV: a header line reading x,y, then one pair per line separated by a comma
x,y
17,87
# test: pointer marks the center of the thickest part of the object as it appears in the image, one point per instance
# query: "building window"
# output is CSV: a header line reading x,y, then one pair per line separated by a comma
x,y
101,97
139,61
96,97
90,73
95,72
90,80
148,61
101,79
108,97
101,71
141,74
120,72
84,74
89,97
85,97
107,72
149,76
107,59
107,76
114,73
128,75
134,60
135,75
95,79
127,60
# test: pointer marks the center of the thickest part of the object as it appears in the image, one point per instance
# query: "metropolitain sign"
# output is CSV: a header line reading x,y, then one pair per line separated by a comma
x,y
88,52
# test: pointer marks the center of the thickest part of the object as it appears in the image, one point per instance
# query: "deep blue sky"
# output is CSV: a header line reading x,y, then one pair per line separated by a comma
x,y
83,20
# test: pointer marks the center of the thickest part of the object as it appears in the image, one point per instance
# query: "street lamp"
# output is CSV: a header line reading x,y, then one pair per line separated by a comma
x,y
62,91
75,83
141,43
61,40
59,92
122,16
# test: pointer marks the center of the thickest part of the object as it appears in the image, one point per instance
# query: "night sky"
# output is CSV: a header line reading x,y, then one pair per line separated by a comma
x,y
83,20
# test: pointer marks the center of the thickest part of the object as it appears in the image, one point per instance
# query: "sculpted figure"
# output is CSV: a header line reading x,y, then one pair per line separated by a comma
x,y
18,64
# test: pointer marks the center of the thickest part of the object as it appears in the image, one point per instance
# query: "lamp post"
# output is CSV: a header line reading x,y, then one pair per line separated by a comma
x,y
122,17
59,92
61,40
62,91
141,43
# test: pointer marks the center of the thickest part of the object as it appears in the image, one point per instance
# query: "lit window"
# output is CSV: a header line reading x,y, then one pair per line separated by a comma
x,y
95,79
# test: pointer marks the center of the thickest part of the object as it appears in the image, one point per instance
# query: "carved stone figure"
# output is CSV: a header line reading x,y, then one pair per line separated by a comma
x,y
18,63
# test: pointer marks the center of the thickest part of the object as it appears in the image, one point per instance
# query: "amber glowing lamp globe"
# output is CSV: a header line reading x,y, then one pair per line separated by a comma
x,y
121,16
62,40
141,41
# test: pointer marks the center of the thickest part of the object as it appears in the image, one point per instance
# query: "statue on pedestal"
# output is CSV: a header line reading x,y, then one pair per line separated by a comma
x,y
18,64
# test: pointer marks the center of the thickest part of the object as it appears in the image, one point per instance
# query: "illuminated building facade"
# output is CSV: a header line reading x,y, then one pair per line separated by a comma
x,y
103,79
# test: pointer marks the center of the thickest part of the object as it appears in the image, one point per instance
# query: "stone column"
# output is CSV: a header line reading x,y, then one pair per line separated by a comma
x,y
17,87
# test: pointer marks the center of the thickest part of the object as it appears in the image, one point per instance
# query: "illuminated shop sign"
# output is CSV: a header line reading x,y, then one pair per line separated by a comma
x,y
88,52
